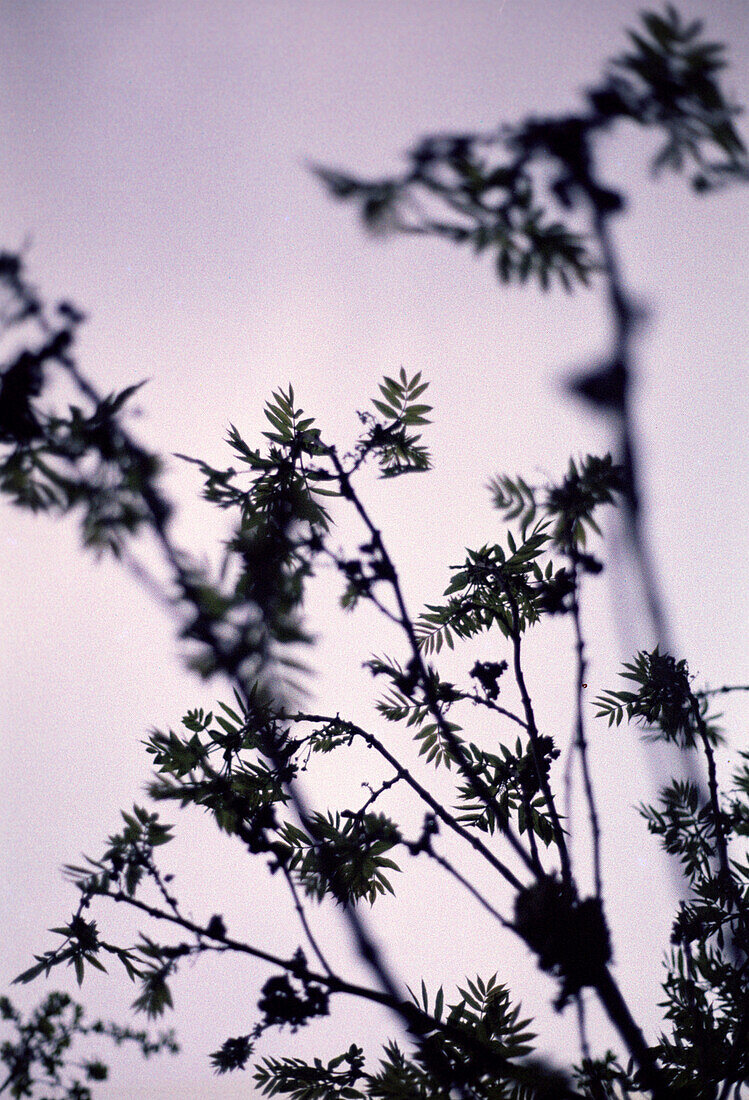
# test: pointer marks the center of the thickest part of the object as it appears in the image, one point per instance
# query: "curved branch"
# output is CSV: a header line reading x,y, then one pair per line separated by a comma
x,y
419,1023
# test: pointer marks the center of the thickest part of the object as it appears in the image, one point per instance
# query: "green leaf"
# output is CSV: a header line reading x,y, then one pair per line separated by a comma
x,y
386,410
232,713
33,972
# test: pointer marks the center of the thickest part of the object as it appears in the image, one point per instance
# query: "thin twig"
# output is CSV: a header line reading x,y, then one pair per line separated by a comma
x,y
476,781
582,744
728,881
533,735
404,774
482,701
722,690
374,793
304,923
451,870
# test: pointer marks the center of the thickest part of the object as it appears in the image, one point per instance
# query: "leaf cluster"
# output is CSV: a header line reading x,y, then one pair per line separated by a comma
x,y
354,866
398,450
664,701
515,780
491,588
668,80
422,702
299,1080
38,1058
570,506
82,459
485,1032
706,1000
256,759
494,192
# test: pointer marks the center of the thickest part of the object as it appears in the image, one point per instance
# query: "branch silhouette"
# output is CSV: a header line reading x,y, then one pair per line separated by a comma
x,y
244,622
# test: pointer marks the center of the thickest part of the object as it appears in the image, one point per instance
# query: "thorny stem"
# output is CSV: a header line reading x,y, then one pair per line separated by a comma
x,y
331,981
712,780
368,950
155,874
727,880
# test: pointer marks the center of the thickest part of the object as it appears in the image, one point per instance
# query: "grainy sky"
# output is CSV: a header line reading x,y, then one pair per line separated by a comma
x,y
155,156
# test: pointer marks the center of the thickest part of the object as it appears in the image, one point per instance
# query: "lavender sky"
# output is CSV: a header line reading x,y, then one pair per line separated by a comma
x,y
155,156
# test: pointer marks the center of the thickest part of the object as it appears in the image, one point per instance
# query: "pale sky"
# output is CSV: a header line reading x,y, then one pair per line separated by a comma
x,y
155,156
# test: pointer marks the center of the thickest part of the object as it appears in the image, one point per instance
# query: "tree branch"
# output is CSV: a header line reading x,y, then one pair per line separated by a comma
x,y
404,774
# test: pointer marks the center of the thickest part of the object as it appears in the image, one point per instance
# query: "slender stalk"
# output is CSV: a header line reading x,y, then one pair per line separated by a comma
x,y
482,701
722,690
304,923
451,870
728,881
582,744
533,734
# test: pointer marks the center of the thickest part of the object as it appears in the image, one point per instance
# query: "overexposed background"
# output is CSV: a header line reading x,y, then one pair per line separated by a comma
x,y
155,154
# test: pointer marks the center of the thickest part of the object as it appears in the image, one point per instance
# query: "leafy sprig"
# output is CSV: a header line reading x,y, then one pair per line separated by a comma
x,y
39,1055
355,866
664,700
398,449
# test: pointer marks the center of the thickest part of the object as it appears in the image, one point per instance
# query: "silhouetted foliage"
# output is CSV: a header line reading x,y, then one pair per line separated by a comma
x,y
37,1063
241,762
